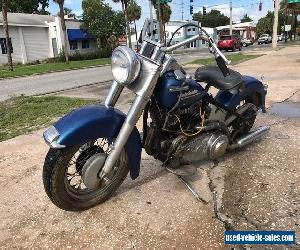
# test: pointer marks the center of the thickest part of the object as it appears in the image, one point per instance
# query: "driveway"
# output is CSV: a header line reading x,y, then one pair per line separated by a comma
x,y
256,187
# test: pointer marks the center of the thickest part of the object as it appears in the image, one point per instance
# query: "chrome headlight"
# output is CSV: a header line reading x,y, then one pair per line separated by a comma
x,y
125,65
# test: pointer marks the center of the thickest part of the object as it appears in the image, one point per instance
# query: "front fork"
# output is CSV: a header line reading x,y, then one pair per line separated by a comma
x,y
143,90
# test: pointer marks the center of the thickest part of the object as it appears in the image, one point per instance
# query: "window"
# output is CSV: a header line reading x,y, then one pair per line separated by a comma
x,y
73,45
4,45
189,29
85,44
194,29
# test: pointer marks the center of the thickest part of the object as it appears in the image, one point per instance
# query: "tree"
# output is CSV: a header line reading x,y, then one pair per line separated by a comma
x,y
134,12
68,11
265,24
246,18
212,19
96,13
63,27
28,6
163,14
6,31
124,8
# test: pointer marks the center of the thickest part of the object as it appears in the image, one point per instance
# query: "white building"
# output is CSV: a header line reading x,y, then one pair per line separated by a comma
x,y
77,39
29,36
183,33
38,37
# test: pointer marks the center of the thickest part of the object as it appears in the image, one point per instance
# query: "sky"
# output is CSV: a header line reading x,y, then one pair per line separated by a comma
x,y
240,7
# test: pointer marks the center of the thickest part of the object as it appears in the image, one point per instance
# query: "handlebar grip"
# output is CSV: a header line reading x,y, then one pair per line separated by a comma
x,y
222,65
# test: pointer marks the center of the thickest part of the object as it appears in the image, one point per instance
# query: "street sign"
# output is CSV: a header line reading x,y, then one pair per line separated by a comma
x,y
293,1
165,1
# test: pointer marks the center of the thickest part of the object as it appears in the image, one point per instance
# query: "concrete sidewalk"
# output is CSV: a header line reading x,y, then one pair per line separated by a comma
x,y
253,188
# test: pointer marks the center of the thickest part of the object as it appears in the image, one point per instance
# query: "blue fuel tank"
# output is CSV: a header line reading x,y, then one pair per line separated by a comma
x,y
167,98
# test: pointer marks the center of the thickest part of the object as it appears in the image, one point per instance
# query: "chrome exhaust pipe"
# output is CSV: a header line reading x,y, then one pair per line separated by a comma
x,y
250,137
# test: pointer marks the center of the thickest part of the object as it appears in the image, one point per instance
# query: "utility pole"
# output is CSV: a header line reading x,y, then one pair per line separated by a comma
x,y
150,9
161,30
182,10
230,24
151,17
275,24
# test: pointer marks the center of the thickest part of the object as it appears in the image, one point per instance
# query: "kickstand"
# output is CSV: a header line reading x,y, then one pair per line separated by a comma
x,y
190,188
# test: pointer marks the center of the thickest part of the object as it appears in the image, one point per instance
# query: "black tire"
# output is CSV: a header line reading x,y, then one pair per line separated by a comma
x,y
234,48
240,48
63,195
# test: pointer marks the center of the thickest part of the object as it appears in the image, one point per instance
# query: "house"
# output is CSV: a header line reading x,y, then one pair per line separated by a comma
x,y
29,35
78,40
38,37
182,34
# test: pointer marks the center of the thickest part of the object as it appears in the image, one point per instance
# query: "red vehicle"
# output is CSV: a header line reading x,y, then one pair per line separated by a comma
x,y
227,42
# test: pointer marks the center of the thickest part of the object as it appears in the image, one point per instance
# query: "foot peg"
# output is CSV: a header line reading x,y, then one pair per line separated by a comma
x,y
183,170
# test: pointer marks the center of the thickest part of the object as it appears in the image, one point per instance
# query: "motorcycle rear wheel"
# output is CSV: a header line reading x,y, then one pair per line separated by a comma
x,y
70,196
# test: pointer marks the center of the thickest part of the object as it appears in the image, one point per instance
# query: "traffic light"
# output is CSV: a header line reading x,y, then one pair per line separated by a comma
x,y
204,10
191,10
165,1
260,6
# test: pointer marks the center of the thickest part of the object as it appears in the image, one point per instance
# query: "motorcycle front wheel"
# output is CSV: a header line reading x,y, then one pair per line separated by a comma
x,y
62,176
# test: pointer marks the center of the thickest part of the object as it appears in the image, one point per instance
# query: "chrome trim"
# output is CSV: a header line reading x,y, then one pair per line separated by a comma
x,y
50,137
113,94
250,137
143,88
54,144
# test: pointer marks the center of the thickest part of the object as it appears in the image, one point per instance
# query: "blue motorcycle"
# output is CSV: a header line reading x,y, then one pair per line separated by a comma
x,y
93,148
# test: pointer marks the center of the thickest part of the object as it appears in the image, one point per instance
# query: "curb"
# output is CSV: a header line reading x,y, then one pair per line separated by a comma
x,y
54,71
76,87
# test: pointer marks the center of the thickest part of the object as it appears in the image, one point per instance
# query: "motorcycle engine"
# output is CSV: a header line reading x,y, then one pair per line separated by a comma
x,y
209,145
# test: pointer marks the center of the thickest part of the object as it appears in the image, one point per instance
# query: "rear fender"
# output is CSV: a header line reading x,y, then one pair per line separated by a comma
x,y
97,121
253,88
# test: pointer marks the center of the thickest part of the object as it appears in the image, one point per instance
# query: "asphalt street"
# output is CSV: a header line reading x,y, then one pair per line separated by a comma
x,y
52,82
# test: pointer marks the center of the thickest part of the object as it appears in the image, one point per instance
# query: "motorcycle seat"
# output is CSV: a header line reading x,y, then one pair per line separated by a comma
x,y
213,76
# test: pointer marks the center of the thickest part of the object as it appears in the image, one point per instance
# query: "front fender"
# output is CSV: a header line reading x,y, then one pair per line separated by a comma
x,y
98,121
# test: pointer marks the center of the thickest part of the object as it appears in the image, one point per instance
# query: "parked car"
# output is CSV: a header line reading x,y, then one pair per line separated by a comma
x,y
247,41
280,37
264,38
228,42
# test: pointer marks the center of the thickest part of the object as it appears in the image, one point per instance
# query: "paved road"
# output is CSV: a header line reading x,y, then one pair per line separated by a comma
x,y
53,82
64,80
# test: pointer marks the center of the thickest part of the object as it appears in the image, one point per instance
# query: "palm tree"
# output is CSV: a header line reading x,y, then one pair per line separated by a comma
x,y
68,11
6,31
165,16
124,8
63,27
134,13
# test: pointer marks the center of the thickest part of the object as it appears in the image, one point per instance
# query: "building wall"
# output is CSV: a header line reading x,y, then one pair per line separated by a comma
x,y
15,40
36,43
29,44
55,32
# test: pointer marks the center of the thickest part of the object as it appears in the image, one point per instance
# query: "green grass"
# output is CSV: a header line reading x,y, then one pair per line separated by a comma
x,y
20,115
234,58
27,70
